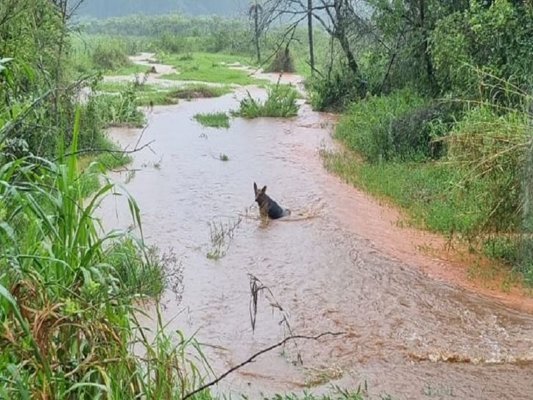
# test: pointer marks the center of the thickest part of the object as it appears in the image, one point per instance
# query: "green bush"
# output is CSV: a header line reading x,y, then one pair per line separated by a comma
x,y
417,134
335,91
366,127
474,49
109,57
492,148
67,293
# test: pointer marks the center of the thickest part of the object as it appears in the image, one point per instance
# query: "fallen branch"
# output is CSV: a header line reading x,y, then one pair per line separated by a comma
x,y
92,150
253,357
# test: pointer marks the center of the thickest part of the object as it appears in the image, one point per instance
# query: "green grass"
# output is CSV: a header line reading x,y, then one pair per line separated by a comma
x,y
147,94
280,103
207,67
213,120
424,190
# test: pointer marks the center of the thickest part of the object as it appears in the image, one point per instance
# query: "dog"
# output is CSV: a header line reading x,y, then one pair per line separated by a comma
x,y
268,207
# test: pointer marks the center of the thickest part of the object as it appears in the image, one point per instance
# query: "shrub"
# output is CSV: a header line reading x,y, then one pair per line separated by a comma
x,y
492,148
282,62
109,57
366,125
417,134
68,321
336,91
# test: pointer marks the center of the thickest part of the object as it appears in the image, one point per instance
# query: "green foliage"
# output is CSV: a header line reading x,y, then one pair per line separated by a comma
x,y
109,57
213,120
67,292
116,109
366,126
494,40
177,33
206,67
425,190
335,91
418,134
493,149
280,102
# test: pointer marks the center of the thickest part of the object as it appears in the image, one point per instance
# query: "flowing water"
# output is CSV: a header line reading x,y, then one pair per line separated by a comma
x,y
338,264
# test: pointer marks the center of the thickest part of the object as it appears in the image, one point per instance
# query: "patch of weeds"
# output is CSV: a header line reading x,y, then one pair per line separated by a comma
x,y
280,103
121,86
213,120
137,268
220,236
110,57
107,156
154,96
224,157
118,109
155,165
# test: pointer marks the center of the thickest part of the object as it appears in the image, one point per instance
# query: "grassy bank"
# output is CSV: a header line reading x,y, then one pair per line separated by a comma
x,y
455,170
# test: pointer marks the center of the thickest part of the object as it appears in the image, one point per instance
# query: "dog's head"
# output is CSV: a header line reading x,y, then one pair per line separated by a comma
x,y
260,195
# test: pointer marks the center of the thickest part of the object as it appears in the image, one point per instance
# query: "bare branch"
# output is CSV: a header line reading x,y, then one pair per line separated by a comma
x,y
253,357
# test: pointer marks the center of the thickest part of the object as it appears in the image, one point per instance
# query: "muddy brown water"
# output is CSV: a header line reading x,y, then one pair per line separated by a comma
x,y
339,264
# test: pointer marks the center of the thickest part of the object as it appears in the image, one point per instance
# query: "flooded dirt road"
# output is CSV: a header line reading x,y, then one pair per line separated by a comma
x,y
338,265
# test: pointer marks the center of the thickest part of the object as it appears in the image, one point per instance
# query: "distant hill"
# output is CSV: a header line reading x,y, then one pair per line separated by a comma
x,y
118,8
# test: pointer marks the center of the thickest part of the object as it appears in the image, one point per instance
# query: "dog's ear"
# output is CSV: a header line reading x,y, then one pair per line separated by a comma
x,y
264,190
255,188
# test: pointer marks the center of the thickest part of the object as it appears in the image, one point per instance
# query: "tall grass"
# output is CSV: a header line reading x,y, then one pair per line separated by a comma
x,y
68,322
366,126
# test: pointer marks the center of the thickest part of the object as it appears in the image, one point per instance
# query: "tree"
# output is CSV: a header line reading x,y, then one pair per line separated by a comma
x,y
255,11
310,35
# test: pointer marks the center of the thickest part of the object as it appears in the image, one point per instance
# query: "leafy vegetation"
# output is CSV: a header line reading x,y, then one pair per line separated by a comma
x,y
280,102
213,120
67,291
435,100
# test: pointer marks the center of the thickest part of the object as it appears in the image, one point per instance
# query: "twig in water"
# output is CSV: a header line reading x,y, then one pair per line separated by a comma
x,y
253,357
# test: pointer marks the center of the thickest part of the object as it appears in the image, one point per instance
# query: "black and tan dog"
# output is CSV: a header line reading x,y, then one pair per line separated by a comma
x,y
268,207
